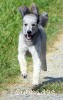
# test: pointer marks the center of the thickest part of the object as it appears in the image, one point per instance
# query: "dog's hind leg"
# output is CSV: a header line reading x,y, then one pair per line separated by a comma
x,y
43,57
23,64
44,65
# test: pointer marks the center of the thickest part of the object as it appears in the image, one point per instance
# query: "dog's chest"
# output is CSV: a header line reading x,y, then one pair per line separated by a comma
x,y
35,48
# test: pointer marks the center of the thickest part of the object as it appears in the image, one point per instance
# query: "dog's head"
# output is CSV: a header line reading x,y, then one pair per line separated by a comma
x,y
30,26
31,20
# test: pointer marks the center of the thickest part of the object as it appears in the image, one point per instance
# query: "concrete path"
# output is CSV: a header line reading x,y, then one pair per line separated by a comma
x,y
33,97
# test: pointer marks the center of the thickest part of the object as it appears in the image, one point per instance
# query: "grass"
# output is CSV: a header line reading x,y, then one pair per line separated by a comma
x,y
10,26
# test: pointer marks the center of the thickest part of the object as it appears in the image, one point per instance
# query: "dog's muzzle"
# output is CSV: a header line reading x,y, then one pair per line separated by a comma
x,y
29,35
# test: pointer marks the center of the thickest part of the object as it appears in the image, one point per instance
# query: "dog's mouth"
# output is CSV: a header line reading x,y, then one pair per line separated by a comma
x,y
29,37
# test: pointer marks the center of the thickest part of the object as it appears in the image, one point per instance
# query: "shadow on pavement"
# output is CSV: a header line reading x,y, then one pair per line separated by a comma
x,y
49,80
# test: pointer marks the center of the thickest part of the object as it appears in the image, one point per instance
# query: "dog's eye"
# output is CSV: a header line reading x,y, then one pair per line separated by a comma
x,y
25,24
33,24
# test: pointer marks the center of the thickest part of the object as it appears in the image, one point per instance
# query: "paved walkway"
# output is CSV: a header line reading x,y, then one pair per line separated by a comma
x,y
33,97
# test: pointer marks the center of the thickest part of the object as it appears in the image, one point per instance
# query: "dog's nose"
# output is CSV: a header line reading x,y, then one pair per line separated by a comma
x,y
29,32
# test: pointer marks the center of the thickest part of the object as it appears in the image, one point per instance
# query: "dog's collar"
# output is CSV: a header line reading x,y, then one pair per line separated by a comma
x,y
33,40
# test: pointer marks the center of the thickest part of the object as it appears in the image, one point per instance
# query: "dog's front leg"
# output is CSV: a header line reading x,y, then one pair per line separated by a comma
x,y
36,65
23,64
36,70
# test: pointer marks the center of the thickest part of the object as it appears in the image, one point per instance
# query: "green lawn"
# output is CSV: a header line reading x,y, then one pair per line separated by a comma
x,y
10,26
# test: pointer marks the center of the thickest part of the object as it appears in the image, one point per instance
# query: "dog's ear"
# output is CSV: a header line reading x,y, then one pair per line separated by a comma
x,y
43,19
24,10
34,10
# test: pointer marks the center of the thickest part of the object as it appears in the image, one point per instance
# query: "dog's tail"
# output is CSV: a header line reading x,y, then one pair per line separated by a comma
x,y
43,19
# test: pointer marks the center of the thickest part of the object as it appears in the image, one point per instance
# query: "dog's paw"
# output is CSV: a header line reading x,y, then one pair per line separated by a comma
x,y
24,75
35,87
